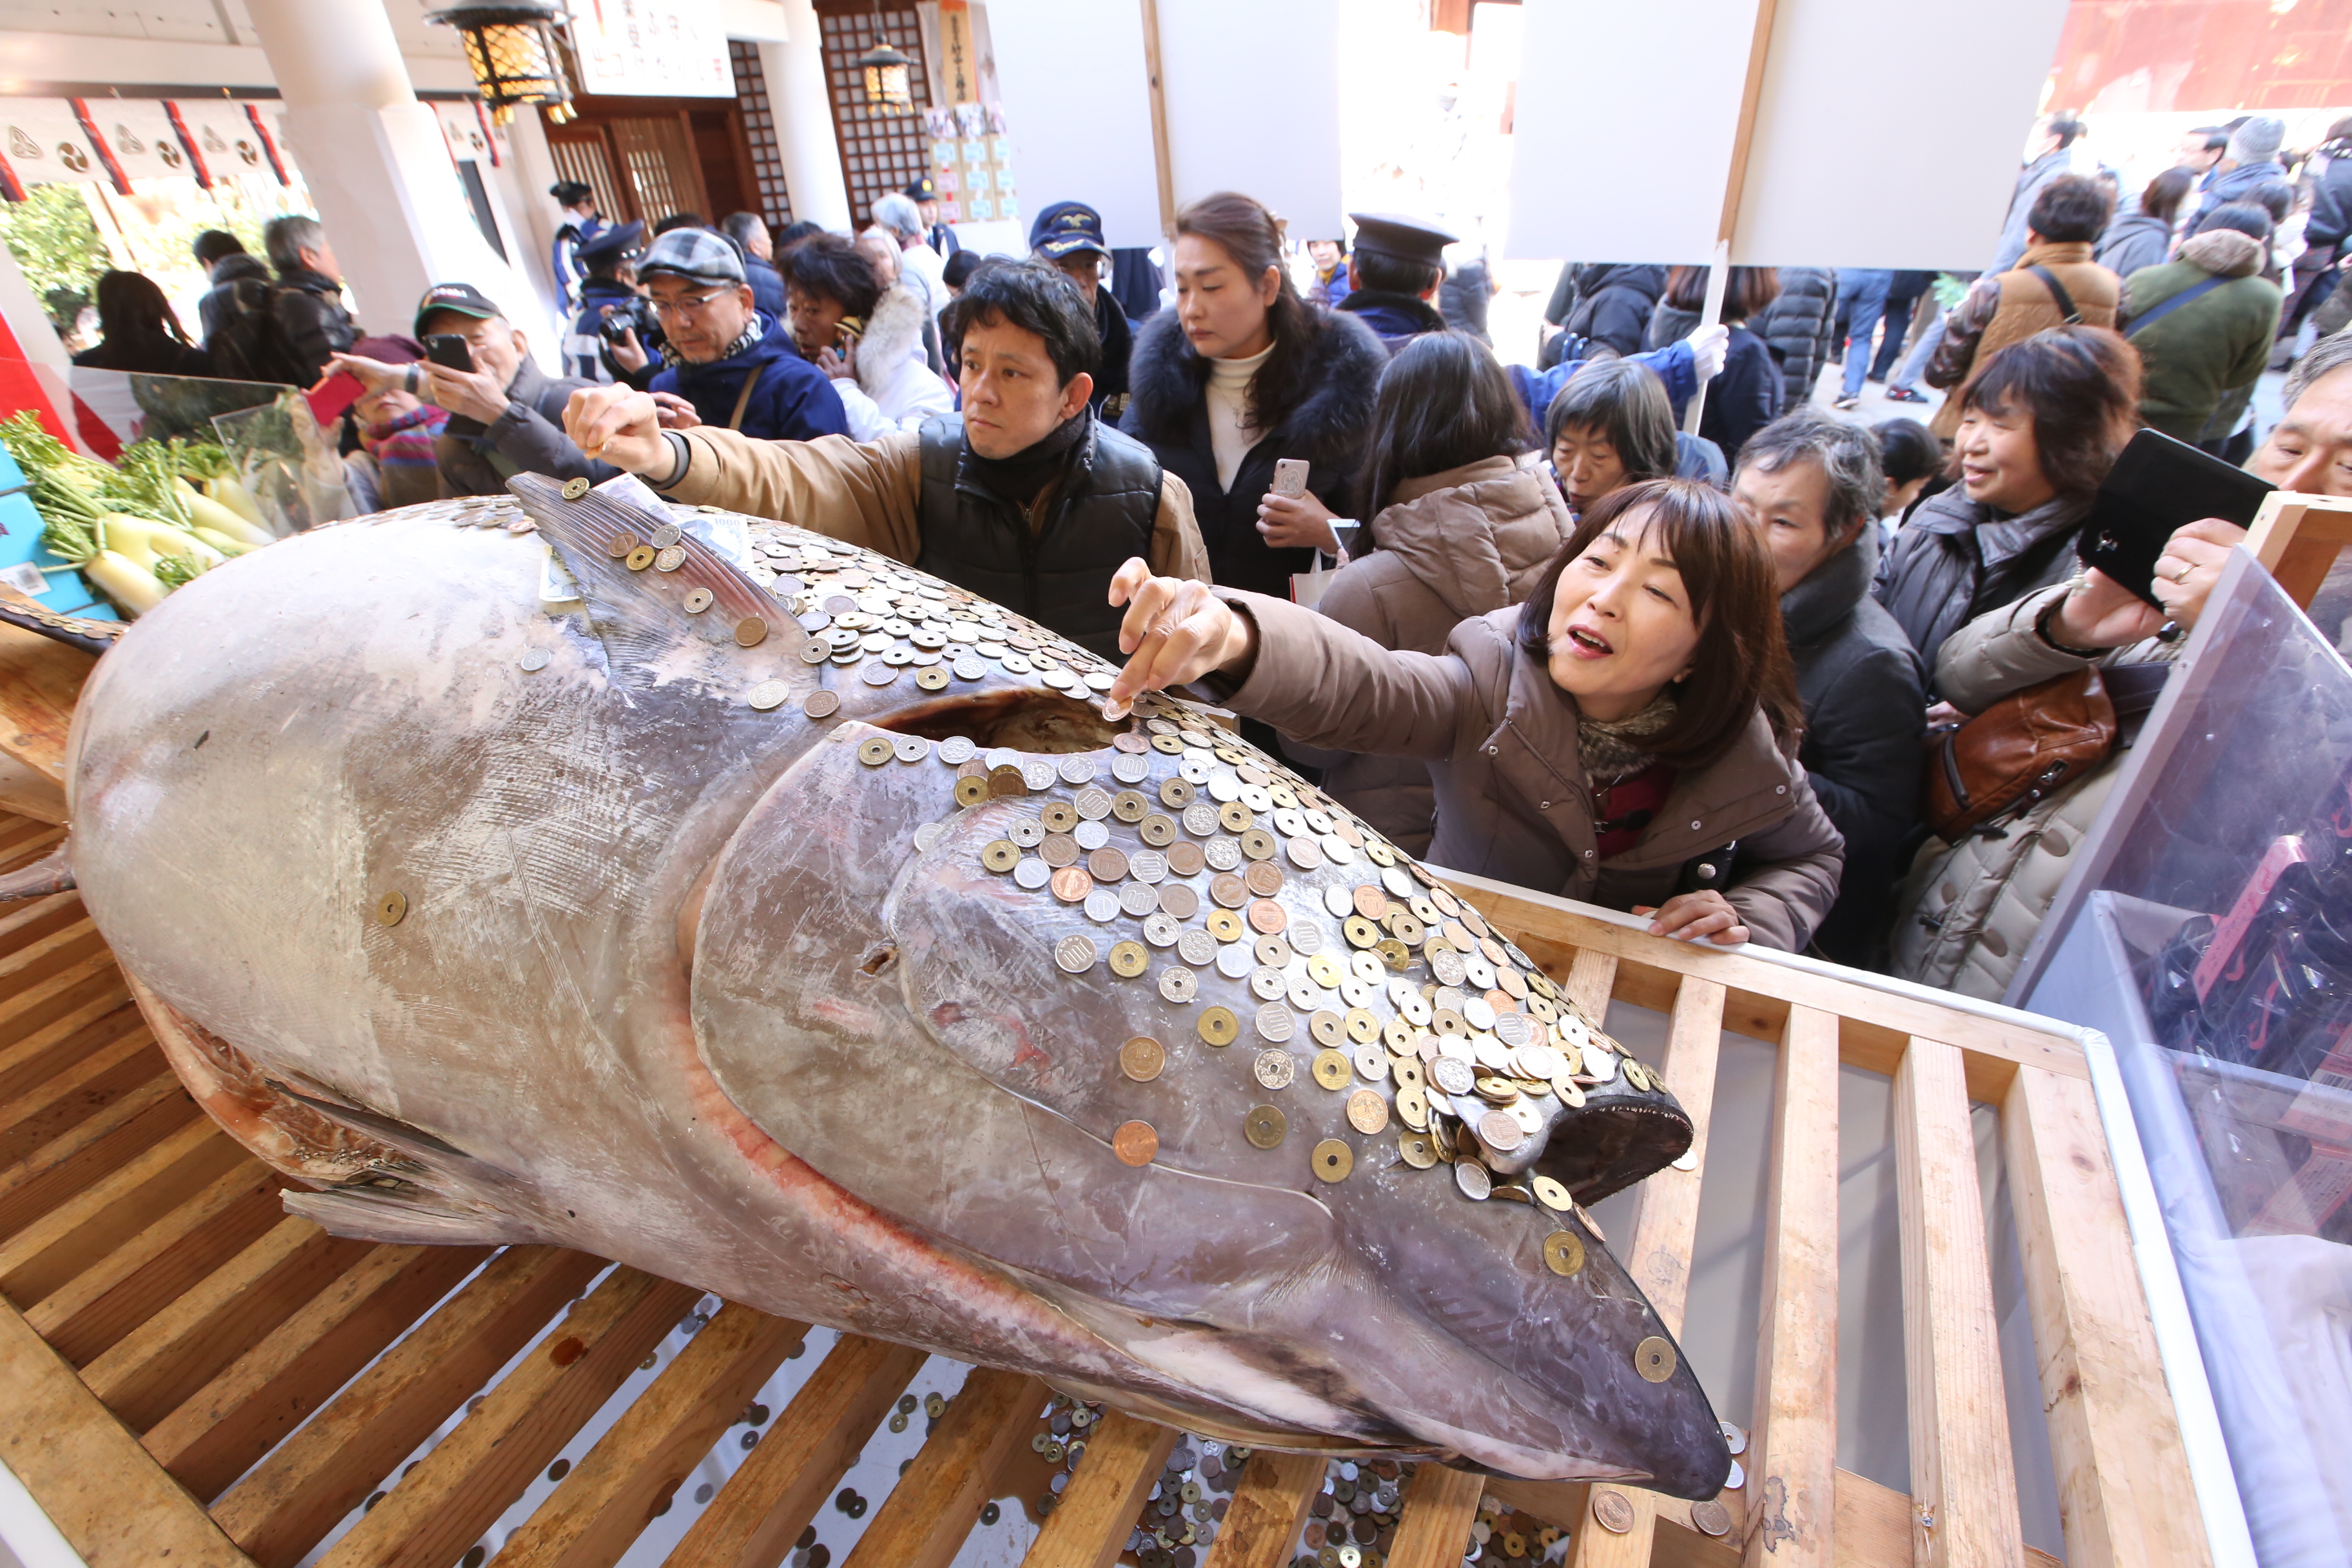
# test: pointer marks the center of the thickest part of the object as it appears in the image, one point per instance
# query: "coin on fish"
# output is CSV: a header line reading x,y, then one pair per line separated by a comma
x,y
669,560
1265,1126
1367,1112
1332,1161
1135,1142
768,694
1075,954
1142,1057
1563,1252
1333,1070
1418,1151
1218,1027
1654,1358
1471,1177
535,659
1071,885
1276,1023
1275,1068
1552,1195
1129,959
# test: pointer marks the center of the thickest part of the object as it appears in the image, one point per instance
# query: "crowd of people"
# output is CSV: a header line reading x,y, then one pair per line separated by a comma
x,y
1517,616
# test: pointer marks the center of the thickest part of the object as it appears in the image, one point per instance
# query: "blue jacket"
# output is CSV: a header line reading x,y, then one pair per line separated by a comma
x,y
793,401
1671,364
766,287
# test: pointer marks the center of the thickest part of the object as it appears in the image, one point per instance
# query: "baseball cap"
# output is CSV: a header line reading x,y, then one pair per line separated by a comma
x,y
1066,226
461,299
695,253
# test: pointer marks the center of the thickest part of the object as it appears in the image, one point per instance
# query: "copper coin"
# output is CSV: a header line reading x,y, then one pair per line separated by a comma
x,y
1264,878
1179,900
1613,1512
1006,781
1367,1112
1135,1142
620,544
1071,885
750,631
1142,1057
1108,864
1229,890
1266,916
1058,850
1710,1518
1186,859
1371,902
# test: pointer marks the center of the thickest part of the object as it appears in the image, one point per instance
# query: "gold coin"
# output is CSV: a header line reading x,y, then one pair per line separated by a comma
x,y
1613,1512
1327,1027
1129,959
1233,816
573,489
1324,970
1418,1151
1218,1027
1129,806
1639,1076
769,694
750,631
1176,795
1570,1092
697,600
1001,855
1332,1161
1158,831
1333,1070
1264,1127
931,678
1397,1035
1362,1027
1407,1072
1367,1112
1257,844
1135,1142
1142,1057
640,558
1224,924
1413,1106
1059,816
669,560
874,751
1552,1195
391,908
1395,953
1653,1358
1563,1252
971,792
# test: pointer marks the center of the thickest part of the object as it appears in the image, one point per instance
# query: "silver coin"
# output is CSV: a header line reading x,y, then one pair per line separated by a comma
x,y
1274,1070
1038,774
1452,1075
1076,769
1197,948
1128,768
1223,853
1058,679
1147,866
1014,663
1027,832
533,660
1308,997
1290,822
1138,899
926,836
1529,1119
1413,1006
1223,786
1032,873
1441,1104
1336,849
1194,768
1102,906
1373,1062
1075,954
1359,992
958,750
1090,835
1178,984
1514,1029
1472,1178
1160,929
1511,950
1276,1023
1199,819
1599,1063
1305,938
912,748
1094,803
1319,821
1304,854
1479,1014
969,668
1341,900
1539,1062
1399,883
1100,679
1257,799
1477,973
1234,961
1267,983
1446,964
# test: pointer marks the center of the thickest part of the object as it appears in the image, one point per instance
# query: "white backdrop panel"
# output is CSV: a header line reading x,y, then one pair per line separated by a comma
x,y
1252,92
1078,107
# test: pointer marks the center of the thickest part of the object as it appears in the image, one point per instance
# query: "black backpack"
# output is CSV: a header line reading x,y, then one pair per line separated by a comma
x,y
248,344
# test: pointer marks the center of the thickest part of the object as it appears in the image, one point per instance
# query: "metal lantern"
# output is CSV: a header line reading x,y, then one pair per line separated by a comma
x,y
885,76
516,54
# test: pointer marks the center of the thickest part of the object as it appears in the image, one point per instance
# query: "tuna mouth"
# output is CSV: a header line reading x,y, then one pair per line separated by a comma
x,y
1024,720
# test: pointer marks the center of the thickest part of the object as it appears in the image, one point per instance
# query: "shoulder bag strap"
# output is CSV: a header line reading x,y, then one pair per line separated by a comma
x,y
2157,313
743,398
2058,292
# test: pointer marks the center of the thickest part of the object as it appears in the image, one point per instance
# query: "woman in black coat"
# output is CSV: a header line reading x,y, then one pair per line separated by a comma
x,y
141,331
1746,396
1241,374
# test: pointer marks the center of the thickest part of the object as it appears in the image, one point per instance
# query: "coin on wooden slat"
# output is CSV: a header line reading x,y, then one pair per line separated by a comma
x,y
1218,1027
1135,1142
1264,1127
1367,1112
1563,1252
1613,1512
1710,1518
1653,1358
1332,1161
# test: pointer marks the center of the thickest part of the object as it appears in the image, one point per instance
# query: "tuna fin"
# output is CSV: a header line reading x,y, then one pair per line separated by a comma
x,y
645,603
20,609
365,1215
53,873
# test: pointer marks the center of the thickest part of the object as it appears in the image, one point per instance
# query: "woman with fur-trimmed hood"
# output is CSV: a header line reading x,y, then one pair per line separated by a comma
x,y
867,337
1242,373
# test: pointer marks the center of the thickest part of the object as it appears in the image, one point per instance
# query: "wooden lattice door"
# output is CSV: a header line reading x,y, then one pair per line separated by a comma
x,y
882,149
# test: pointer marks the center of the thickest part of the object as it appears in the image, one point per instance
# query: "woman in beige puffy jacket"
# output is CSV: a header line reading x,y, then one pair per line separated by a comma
x,y
1458,528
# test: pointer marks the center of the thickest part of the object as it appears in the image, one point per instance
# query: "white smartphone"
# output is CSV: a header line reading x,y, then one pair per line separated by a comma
x,y
1290,477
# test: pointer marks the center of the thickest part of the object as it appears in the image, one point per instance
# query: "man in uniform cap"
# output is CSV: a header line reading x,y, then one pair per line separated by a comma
x,y
925,194
1068,236
609,294
1393,275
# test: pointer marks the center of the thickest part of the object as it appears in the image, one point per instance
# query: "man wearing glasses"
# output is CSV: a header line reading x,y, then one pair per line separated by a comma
x,y
729,364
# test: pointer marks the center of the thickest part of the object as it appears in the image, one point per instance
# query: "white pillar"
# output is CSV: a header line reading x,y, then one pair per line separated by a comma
x,y
803,116
377,164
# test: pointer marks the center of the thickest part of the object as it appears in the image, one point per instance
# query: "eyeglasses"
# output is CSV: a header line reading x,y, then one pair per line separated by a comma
x,y
691,305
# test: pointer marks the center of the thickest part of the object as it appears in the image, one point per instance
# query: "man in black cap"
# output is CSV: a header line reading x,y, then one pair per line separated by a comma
x,y
1393,275
736,366
925,194
506,414
614,337
1068,236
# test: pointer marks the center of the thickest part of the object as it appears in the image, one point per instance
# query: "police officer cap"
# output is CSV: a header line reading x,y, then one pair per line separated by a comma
x,y
1406,238
1066,226
612,245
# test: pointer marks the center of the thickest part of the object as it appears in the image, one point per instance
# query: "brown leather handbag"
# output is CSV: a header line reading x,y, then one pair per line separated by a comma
x,y
2020,751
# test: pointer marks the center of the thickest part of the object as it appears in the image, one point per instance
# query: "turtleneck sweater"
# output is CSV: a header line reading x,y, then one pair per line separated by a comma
x,y
1231,434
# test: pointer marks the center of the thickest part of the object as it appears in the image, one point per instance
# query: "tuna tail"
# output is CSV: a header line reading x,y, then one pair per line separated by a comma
x,y
53,873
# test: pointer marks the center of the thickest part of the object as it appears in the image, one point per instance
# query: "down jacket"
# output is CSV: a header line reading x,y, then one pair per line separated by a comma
x,y
1968,911
1453,545
1956,560
894,388
2199,363
1512,800
1799,324
1612,303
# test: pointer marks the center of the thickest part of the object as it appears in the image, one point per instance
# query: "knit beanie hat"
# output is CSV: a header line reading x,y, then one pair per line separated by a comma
x,y
2258,140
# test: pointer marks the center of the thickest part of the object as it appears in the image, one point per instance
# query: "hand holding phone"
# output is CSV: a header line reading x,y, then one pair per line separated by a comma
x,y
1290,477
449,350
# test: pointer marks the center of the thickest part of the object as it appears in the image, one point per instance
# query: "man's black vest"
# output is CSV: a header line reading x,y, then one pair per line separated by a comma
x,y
1099,516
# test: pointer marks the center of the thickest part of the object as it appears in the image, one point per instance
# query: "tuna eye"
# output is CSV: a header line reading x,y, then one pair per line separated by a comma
x,y
878,963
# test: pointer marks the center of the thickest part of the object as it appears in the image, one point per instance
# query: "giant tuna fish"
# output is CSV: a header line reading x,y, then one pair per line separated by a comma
x,y
785,922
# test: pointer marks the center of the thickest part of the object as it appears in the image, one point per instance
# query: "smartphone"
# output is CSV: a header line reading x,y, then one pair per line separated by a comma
x,y
1290,477
449,350
332,395
2158,485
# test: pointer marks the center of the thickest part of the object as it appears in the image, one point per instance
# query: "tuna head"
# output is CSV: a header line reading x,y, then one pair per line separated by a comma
x,y
798,931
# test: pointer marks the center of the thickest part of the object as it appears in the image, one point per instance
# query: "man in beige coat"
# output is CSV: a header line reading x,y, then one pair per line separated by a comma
x,y
1026,500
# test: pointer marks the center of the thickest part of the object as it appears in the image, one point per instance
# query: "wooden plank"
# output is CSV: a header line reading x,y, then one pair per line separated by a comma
x,y
162,1363
1792,1451
35,917
473,1475
59,950
1591,981
1433,1525
40,681
1161,157
37,1006
772,1495
1963,1479
1658,1252
1089,1527
136,1280
291,1498
1267,1509
1874,1522
2298,538
1875,1028
69,1164
107,1070
46,1052
597,1511
2123,1491
75,1234
923,1522
113,1504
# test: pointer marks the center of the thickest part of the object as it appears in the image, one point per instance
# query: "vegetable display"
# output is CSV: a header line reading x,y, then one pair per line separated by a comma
x,y
164,513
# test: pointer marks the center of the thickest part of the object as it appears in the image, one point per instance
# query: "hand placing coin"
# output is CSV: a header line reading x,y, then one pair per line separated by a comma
x,y
620,425
1175,631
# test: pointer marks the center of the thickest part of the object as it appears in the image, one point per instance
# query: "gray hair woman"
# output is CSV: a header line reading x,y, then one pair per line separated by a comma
x,y
1610,426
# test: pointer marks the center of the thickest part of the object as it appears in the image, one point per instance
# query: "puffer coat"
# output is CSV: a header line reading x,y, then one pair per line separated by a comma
x,y
1956,560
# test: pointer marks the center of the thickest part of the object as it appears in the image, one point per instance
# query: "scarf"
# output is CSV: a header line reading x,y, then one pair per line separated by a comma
x,y
1610,751
1018,477
407,439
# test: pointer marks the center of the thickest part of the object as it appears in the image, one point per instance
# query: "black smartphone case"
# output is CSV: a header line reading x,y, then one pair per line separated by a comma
x,y
2156,488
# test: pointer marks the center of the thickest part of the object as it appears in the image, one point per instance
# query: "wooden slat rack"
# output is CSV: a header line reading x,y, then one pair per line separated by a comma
x,y
189,1376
